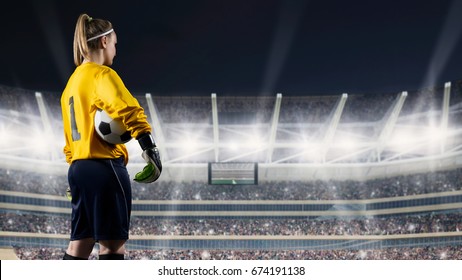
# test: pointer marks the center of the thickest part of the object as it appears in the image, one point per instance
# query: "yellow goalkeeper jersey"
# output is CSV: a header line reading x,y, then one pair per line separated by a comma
x,y
90,87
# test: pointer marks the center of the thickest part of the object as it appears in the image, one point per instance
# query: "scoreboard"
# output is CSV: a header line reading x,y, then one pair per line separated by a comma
x,y
233,173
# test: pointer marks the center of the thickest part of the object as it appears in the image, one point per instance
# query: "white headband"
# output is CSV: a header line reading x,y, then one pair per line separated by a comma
x,y
100,35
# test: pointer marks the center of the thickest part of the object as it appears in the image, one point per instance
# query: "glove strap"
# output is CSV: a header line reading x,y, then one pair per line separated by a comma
x,y
146,141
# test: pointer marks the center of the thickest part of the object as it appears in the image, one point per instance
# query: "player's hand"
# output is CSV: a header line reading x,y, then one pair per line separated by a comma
x,y
151,172
68,193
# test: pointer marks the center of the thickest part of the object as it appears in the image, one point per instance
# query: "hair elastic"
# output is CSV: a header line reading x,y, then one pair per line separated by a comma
x,y
100,35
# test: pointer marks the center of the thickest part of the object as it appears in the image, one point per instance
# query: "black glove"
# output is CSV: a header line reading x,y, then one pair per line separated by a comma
x,y
151,172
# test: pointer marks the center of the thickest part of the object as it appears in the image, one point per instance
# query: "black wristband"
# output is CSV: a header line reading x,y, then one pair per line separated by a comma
x,y
146,141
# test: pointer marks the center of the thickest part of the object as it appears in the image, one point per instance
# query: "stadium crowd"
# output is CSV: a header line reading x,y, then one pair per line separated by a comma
x,y
421,223
402,253
432,182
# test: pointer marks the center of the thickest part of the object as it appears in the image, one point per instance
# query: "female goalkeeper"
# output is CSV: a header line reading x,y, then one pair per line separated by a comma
x,y
98,178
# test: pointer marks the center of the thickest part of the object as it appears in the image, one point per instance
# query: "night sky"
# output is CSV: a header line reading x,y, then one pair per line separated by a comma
x,y
241,47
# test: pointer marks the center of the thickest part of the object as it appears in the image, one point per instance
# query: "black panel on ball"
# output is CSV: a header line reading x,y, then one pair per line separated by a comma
x,y
126,136
104,128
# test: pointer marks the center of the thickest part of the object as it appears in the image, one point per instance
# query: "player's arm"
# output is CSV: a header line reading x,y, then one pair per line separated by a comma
x,y
113,97
123,105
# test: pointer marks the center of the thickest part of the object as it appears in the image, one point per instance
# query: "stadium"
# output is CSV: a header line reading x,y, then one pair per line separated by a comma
x,y
347,176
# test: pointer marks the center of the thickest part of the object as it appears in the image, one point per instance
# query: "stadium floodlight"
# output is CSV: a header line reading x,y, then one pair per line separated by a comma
x,y
402,140
435,134
348,144
233,146
255,141
312,154
42,144
190,144
4,135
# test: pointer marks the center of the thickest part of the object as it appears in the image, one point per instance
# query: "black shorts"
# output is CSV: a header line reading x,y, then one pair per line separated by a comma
x,y
101,199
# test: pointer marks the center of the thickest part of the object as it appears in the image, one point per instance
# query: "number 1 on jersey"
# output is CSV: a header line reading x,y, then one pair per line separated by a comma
x,y
75,131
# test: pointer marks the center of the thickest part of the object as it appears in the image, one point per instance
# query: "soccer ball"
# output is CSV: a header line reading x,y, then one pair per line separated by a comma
x,y
110,130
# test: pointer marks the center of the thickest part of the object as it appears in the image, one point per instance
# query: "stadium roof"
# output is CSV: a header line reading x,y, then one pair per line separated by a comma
x,y
296,149
240,47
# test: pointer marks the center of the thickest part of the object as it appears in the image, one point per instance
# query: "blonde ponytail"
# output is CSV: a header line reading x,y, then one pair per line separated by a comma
x,y
86,28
